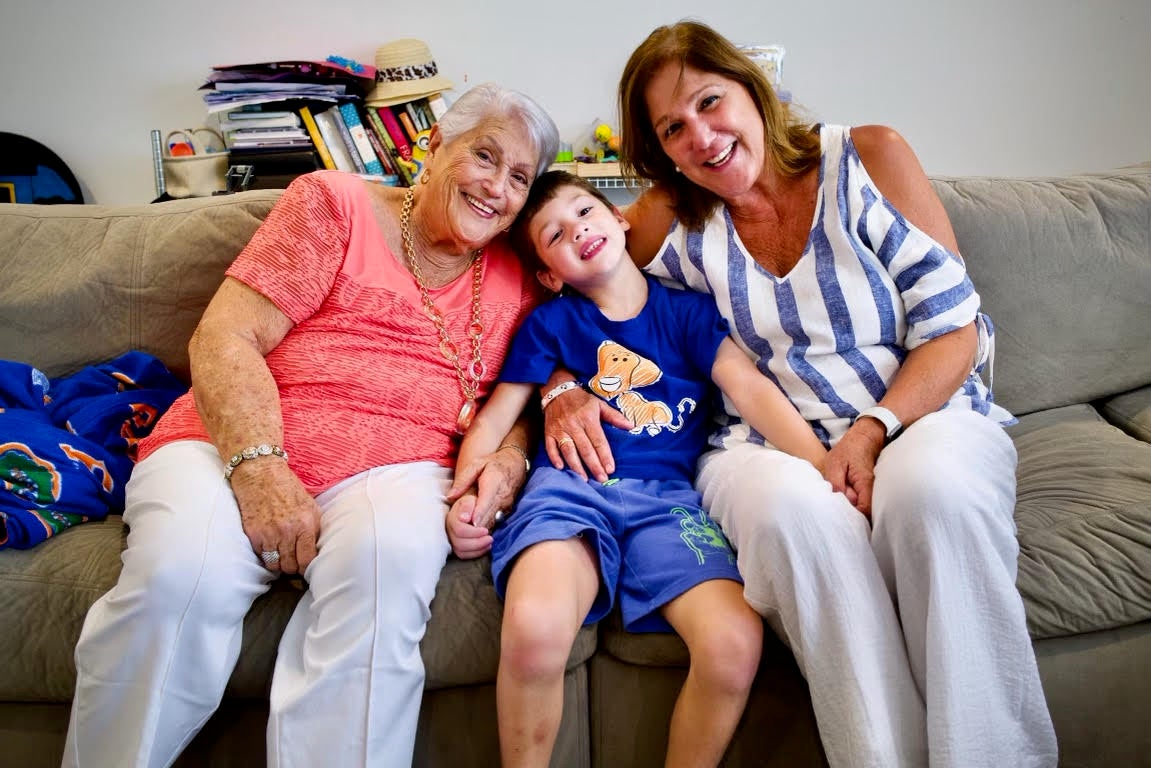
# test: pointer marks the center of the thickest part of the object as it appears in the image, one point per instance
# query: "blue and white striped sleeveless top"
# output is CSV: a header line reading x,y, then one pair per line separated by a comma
x,y
833,332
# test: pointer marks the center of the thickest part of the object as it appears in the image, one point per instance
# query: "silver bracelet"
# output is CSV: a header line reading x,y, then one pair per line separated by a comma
x,y
521,452
557,391
253,452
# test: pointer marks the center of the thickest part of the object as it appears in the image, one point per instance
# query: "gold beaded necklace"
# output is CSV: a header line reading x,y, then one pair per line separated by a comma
x,y
469,382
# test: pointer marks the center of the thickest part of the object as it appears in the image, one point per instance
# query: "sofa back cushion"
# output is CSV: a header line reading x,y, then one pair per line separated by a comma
x,y
1063,266
84,283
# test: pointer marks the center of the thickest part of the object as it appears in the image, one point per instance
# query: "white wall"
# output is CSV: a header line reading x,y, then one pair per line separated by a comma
x,y
1008,87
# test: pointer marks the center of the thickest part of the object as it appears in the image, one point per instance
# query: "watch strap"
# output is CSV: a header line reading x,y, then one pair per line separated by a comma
x,y
892,426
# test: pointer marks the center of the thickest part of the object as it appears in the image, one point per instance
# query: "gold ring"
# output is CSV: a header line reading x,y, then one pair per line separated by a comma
x,y
565,441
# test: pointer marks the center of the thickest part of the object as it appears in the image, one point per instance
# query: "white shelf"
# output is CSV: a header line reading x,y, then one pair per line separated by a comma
x,y
601,175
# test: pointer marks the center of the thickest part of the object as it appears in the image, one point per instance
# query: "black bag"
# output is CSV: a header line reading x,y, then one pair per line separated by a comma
x,y
32,173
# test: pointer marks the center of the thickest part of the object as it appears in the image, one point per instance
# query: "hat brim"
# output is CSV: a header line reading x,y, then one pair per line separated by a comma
x,y
387,94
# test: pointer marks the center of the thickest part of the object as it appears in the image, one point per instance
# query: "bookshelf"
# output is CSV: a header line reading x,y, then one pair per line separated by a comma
x,y
601,175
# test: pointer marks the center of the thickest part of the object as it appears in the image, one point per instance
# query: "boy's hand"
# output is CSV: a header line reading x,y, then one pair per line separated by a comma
x,y
468,540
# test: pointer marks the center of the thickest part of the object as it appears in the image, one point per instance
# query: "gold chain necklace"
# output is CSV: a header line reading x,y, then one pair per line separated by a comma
x,y
469,383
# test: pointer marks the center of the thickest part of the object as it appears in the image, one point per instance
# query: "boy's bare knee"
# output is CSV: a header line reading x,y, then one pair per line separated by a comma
x,y
726,655
535,643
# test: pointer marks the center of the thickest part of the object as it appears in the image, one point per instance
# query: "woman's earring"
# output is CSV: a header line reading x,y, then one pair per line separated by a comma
x,y
677,170
427,174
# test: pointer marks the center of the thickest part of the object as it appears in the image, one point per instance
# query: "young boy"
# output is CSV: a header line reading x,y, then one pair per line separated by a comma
x,y
573,545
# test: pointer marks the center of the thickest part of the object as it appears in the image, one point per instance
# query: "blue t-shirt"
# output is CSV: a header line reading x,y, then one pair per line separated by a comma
x,y
655,368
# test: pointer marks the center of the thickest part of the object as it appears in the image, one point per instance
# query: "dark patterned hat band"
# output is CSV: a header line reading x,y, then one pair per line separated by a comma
x,y
408,72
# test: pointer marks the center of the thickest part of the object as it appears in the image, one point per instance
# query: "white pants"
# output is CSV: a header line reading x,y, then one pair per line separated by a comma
x,y
910,633
157,650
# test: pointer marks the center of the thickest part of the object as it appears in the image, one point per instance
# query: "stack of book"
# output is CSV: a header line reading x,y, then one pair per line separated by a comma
x,y
284,119
380,141
272,141
266,110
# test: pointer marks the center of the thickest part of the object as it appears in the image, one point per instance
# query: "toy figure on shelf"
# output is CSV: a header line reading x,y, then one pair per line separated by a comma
x,y
607,141
604,145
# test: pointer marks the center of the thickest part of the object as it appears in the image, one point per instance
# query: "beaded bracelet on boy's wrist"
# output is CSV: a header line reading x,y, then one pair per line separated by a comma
x,y
557,391
252,452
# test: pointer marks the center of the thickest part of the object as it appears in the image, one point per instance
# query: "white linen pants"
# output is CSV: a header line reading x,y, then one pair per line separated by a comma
x,y
157,650
910,633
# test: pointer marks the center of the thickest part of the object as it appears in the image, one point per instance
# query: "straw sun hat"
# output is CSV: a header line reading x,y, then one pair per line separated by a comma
x,y
405,70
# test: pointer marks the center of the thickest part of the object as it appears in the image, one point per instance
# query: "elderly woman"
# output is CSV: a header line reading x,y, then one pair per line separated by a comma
x,y
834,262
332,374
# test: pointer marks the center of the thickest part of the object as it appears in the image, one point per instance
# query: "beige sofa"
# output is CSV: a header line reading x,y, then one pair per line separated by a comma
x,y
1064,267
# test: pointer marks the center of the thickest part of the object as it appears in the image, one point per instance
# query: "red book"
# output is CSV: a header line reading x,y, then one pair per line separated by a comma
x,y
392,126
400,164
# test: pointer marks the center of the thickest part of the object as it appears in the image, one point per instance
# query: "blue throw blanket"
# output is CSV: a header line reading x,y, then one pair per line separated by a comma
x,y
68,445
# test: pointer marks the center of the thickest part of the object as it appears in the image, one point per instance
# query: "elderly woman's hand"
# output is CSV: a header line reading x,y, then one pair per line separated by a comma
x,y
850,464
574,434
494,481
277,513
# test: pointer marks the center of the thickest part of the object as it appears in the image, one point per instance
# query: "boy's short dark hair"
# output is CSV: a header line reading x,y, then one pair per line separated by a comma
x,y
542,191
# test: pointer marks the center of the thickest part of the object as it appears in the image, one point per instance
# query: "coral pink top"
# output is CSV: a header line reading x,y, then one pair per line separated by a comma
x,y
361,378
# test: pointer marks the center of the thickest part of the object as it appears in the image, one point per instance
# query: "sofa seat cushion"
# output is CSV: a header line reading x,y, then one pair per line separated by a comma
x,y
45,593
1131,412
48,589
1084,520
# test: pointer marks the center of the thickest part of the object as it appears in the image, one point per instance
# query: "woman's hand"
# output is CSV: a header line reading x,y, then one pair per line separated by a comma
x,y
277,513
492,482
574,435
850,464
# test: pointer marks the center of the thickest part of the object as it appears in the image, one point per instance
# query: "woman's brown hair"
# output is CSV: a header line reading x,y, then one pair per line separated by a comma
x,y
791,144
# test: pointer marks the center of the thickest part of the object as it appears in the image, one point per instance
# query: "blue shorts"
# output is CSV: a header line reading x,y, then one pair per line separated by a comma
x,y
652,539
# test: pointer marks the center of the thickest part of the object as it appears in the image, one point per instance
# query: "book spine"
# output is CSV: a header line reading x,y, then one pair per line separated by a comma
x,y
267,133
317,138
386,139
438,105
258,121
360,139
380,150
350,143
413,110
426,113
406,121
335,144
399,138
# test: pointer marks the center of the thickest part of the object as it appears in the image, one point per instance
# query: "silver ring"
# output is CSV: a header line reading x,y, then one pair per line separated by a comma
x,y
270,557
564,441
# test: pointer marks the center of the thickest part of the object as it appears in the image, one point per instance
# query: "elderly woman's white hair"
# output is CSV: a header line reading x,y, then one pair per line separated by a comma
x,y
489,101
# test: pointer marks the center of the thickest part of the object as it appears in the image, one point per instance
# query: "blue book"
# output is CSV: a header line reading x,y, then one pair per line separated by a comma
x,y
360,139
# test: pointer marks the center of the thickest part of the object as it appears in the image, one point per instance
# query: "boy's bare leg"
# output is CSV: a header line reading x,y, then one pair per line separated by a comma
x,y
551,588
725,638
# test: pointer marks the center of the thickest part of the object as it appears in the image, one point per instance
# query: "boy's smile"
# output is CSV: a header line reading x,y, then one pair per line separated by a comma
x,y
592,248
574,230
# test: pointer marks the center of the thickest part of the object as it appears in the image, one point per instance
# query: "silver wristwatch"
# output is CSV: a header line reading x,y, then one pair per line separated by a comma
x,y
891,423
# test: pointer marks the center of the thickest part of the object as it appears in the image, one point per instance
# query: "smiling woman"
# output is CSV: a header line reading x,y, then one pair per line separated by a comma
x,y
349,344
833,260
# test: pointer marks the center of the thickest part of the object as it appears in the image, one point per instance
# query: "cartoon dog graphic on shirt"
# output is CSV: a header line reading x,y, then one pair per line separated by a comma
x,y
620,372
